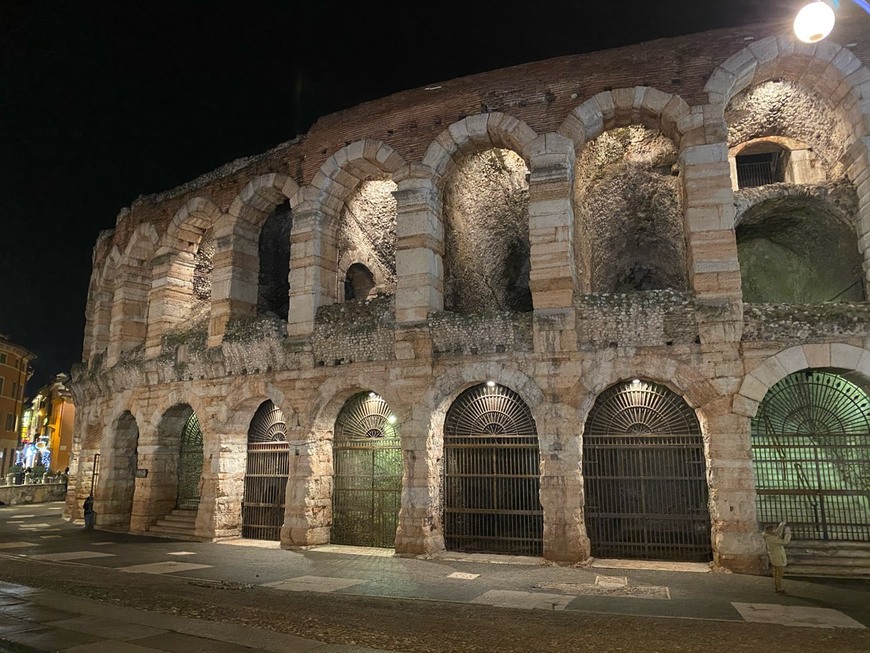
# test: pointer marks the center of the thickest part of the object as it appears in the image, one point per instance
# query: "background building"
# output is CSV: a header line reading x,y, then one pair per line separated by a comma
x,y
47,427
609,304
14,373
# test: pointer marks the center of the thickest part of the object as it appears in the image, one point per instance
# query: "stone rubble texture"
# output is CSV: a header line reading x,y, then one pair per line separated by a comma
x,y
152,351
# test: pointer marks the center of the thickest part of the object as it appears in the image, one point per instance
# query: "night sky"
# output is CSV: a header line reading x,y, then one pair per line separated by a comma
x,y
103,101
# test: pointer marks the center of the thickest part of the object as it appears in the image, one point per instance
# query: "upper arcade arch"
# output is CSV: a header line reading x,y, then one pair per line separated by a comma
x,y
314,250
182,264
133,279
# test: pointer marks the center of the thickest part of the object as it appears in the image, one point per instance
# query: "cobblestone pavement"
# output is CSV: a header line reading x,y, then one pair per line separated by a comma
x,y
100,591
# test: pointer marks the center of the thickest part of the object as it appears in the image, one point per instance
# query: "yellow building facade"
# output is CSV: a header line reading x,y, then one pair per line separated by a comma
x,y
47,432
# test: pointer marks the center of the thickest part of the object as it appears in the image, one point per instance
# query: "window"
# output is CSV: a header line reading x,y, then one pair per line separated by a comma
x,y
10,422
14,394
2,358
1,384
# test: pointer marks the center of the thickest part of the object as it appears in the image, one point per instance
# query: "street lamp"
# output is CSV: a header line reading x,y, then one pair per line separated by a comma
x,y
816,20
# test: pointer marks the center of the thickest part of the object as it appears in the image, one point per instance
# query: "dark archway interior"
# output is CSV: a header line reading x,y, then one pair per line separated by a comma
x,y
273,290
798,250
358,282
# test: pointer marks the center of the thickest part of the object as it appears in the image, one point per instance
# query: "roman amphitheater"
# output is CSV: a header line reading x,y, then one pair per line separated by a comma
x,y
607,305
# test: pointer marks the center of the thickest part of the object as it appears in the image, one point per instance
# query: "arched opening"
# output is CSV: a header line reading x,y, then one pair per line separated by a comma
x,y
367,464
798,249
358,282
761,163
628,211
811,456
367,233
645,476
190,465
491,474
266,472
118,478
203,264
486,232
273,289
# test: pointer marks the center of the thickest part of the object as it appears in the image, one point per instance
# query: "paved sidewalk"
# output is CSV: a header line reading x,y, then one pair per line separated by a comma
x,y
42,620
38,535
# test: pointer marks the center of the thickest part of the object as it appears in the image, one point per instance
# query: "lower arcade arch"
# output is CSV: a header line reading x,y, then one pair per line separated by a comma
x,y
491,481
645,476
118,478
267,468
190,465
811,456
367,467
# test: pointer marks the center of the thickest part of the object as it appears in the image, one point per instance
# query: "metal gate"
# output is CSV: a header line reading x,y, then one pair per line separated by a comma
x,y
189,465
645,476
811,455
266,472
491,474
367,458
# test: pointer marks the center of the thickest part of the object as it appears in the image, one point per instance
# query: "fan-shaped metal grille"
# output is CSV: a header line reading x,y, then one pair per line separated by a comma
x,y
489,410
266,472
811,455
365,417
267,424
367,458
645,476
492,474
640,407
189,465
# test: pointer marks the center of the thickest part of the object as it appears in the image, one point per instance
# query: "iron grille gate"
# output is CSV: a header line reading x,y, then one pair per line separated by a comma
x,y
492,485
189,465
645,476
368,492
491,474
266,472
811,455
367,459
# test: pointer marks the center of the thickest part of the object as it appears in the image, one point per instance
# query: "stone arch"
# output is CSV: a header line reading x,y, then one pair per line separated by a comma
x,y
854,361
481,171
827,69
115,496
797,244
240,279
100,300
482,131
308,508
638,439
314,275
129,317
184,256
655,109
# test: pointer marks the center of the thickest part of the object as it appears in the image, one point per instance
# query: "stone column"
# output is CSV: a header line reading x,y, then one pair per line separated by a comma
x,y
129,310
736,541
102,318
313,266
714,271
565,539
170,297
223,486
551,222
419,250
155,494
420,529
234,281
308,504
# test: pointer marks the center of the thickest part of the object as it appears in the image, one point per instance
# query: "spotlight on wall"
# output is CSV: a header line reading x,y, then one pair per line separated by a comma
x,y
816,20
490,384
391,419
635,382
373,395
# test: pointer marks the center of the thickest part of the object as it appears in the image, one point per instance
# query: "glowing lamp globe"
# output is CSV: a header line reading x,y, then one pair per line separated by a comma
x,y
814,22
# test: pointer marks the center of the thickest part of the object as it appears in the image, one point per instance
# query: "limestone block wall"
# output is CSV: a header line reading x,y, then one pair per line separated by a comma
x,y
595,173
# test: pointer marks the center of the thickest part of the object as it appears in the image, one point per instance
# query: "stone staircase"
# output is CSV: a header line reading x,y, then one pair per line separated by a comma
x,y
831,559
178,525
